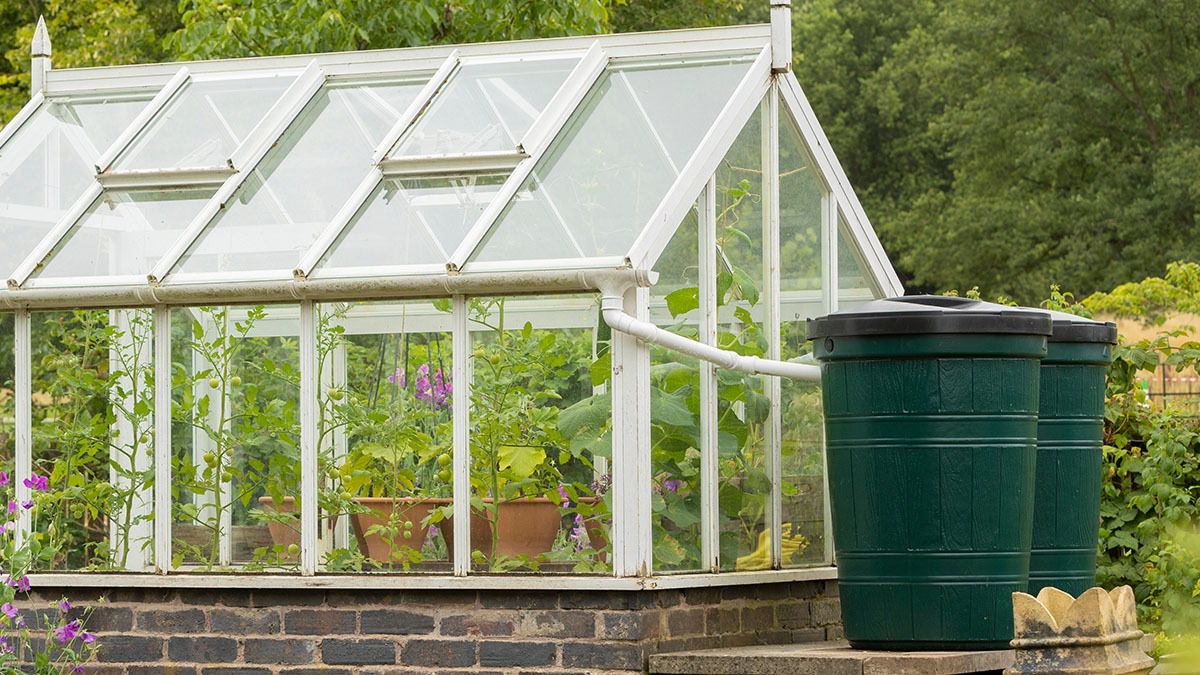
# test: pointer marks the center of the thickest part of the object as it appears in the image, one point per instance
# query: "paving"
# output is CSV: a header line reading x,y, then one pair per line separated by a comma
x,y
826,658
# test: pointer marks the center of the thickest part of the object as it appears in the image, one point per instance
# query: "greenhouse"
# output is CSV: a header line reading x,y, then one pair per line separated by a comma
x,y
507,315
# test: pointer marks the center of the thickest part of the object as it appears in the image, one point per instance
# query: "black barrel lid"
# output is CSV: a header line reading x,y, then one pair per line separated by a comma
x,y
1071,328
930,314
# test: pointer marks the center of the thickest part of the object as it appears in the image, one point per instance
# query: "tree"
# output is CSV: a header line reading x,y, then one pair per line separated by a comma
x,y
229,28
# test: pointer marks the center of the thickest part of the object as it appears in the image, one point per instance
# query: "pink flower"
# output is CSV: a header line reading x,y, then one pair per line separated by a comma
x,y
37,482
87,637
64,605
3,478
68,632
10,526
397,377
12,507
9,610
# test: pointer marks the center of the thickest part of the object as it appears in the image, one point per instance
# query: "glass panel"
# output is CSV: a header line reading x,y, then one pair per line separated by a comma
x,y
538,428
675,407
386,436
411,221
613,163
853,287
122,234
801,201
486,107
47,165
800,207
93,439
743,409
203,123
235,436
293,194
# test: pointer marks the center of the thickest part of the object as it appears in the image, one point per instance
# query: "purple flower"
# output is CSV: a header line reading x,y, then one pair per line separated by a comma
x,y
78,668
21,584
562,492
3,478
37,482
397,377
9,526
64,605
602,484
12,507
672,486
88,638
9,610
68,632
27,504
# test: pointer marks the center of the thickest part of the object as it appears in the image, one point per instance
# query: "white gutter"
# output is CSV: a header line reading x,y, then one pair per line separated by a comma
x,y
611,306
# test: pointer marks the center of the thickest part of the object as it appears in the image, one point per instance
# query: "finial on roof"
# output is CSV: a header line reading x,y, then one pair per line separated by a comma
x,y
41,39
781,36
39,49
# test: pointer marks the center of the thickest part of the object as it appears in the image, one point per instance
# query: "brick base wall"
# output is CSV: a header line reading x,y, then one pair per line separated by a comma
x,y
298,632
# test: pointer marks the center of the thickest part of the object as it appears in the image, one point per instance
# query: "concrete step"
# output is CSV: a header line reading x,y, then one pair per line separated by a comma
x,y
826,658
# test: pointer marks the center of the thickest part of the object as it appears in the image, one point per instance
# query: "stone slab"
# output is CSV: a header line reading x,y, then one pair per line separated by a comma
x,y
825,658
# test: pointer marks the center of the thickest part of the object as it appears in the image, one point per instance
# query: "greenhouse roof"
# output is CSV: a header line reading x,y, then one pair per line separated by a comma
x,y
349,171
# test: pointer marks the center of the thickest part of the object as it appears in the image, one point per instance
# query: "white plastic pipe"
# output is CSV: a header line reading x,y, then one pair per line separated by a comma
x,y
611,307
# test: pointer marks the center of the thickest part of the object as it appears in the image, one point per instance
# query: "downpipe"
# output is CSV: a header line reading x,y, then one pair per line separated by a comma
x,y
612,307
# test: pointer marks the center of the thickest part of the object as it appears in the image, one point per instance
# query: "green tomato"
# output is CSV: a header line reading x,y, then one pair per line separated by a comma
x,y
293,549
494,359
408,534
333,473
408,525
336,394
226,476
444,459
210,459
235,381
346,496
479,353
213,383
444,475
144,438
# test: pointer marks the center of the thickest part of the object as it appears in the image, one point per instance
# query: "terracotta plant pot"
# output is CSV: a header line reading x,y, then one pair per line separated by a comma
x,y
526,527
375,545
281,532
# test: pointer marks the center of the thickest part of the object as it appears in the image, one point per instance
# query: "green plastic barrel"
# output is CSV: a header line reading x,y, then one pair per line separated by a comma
x,y
931,409
1066,512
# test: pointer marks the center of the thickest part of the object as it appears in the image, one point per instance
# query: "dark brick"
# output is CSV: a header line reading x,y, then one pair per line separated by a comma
x,y
793,615
358,652
302,598
732,593
518,600
560,623
202,649
687,644
630,626
168,669
722,621
110,620
702,596
440,653
806,590
462,624
685,622
826,611
315,671
396,622
772,592
603,656
149,596
95,670
758,618
508,654
235,671
357,598
244,622
172,622
200,597
130,648
439,598
835,632
614,600
289,652
669,598
318,622
774,637
831,588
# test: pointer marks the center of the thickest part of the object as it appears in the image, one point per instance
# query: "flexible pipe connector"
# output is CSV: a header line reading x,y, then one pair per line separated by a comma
x,y
613,309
